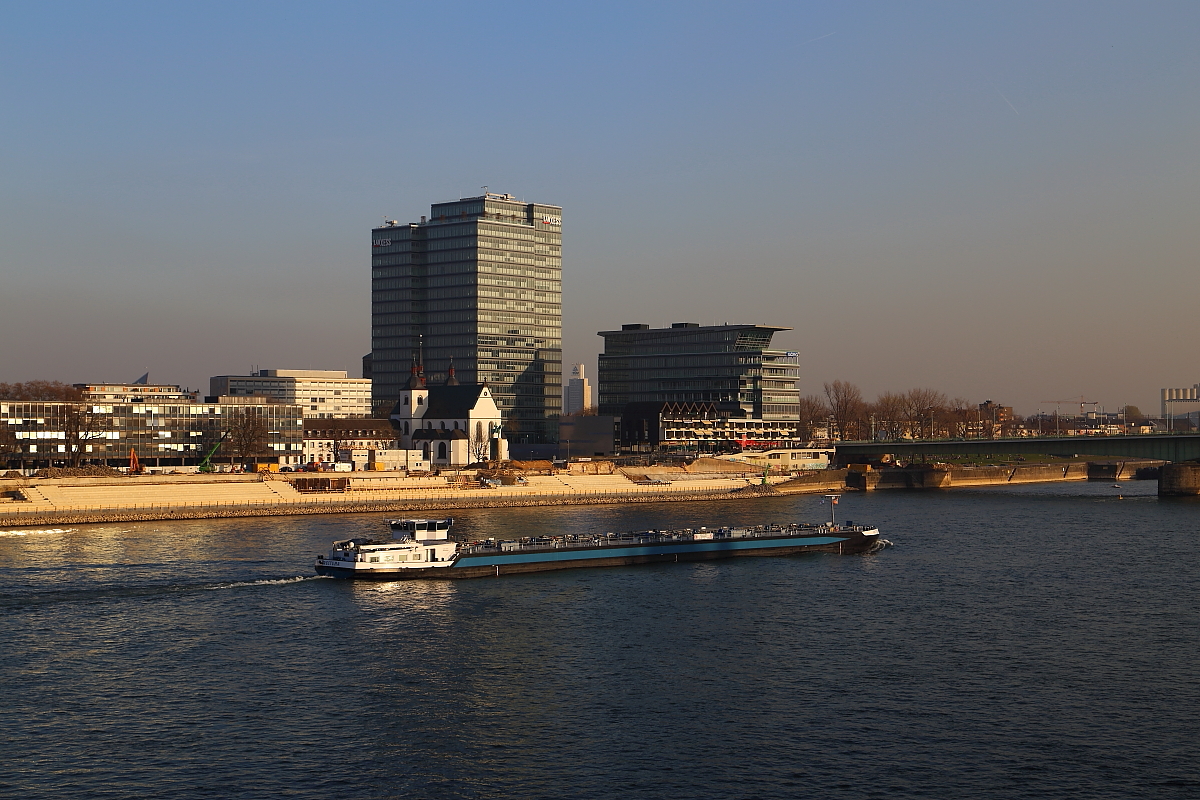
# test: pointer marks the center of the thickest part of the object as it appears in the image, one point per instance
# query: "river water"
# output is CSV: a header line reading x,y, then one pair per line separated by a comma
x,y
1036,641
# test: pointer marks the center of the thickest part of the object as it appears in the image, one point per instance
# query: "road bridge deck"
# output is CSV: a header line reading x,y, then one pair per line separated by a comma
x,y
1164,447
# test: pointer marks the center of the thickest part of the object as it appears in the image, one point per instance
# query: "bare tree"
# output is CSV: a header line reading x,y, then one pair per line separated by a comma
x,y
958,416
888,410
847,408
922,406
39,390
812,410
338,437
81,425
480,443
247,432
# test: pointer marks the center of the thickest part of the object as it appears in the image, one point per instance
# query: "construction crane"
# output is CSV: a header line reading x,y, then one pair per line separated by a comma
x,y
1058,406
206,465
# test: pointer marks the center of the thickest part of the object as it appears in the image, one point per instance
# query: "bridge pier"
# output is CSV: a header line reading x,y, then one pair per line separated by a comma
x,y
1179,479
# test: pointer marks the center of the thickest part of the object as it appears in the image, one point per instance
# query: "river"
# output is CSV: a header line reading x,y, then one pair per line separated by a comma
x,y
1034,641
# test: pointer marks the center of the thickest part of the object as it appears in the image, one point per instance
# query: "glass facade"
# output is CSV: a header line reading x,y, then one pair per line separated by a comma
x,y
729,365
479,283
174,434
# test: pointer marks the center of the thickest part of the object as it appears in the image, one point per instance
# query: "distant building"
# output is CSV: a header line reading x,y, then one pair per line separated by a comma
x,y
452,424
323,394
730,366
586,436
577,397
479,285
1180,402
135,393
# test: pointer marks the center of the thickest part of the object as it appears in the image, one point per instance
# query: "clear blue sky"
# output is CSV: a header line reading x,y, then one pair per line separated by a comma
x,y
995,200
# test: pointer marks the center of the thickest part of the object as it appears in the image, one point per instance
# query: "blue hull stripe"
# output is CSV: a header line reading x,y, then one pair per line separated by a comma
x,y
608,551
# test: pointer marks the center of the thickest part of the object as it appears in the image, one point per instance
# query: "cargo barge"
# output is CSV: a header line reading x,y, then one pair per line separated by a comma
x,y
423,549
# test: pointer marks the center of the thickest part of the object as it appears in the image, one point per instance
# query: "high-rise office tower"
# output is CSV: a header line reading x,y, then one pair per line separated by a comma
x,y
479,284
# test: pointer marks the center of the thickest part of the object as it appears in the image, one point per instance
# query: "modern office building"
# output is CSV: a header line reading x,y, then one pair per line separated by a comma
x,y
577,397
478,285
322,393
731,366
162,432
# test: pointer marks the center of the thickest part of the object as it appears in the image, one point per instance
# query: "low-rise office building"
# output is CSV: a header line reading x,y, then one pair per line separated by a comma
x,y
136,393
160,432
323,394
702,428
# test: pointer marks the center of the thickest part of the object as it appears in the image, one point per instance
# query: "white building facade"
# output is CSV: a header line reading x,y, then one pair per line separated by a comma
x,y
323,394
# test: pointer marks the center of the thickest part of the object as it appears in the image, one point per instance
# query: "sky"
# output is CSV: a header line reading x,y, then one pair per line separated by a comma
x,y
995,200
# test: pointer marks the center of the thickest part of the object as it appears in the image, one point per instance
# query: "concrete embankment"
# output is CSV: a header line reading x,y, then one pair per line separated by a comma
x,y
93,500
354,506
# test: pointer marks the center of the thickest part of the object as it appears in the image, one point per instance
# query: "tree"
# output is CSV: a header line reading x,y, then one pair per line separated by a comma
x,y
812,410
921,406
847,408
81,425
888,410
1133,414
39,390
479,445
959,414
338,436
247,432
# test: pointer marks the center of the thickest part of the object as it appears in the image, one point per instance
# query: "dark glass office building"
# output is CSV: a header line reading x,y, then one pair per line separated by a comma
x,y
729,365
479,282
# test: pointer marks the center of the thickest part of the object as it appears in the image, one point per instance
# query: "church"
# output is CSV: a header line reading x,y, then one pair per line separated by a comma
x,y
453,424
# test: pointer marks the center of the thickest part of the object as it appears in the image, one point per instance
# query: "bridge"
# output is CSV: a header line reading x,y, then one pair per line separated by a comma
x,y
1160,447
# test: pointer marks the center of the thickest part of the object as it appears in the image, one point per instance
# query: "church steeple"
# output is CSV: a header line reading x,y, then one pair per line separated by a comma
x,y
450,379
417,379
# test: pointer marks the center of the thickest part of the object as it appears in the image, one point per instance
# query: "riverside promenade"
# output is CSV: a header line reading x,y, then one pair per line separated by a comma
x,y
32,502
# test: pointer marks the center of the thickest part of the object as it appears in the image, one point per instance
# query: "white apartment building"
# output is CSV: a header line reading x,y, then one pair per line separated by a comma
x,y
322,394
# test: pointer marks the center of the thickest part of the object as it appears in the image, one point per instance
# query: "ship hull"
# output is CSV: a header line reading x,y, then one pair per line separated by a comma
x,y
488,565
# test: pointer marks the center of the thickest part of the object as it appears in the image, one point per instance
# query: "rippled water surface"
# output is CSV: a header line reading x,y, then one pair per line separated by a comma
x,y
1028,642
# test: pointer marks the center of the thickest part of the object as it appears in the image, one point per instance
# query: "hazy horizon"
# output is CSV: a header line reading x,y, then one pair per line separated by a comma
x,y
991,201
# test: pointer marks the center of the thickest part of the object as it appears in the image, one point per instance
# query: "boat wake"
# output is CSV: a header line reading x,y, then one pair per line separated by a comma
x,y
34,532
267,582
16,600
